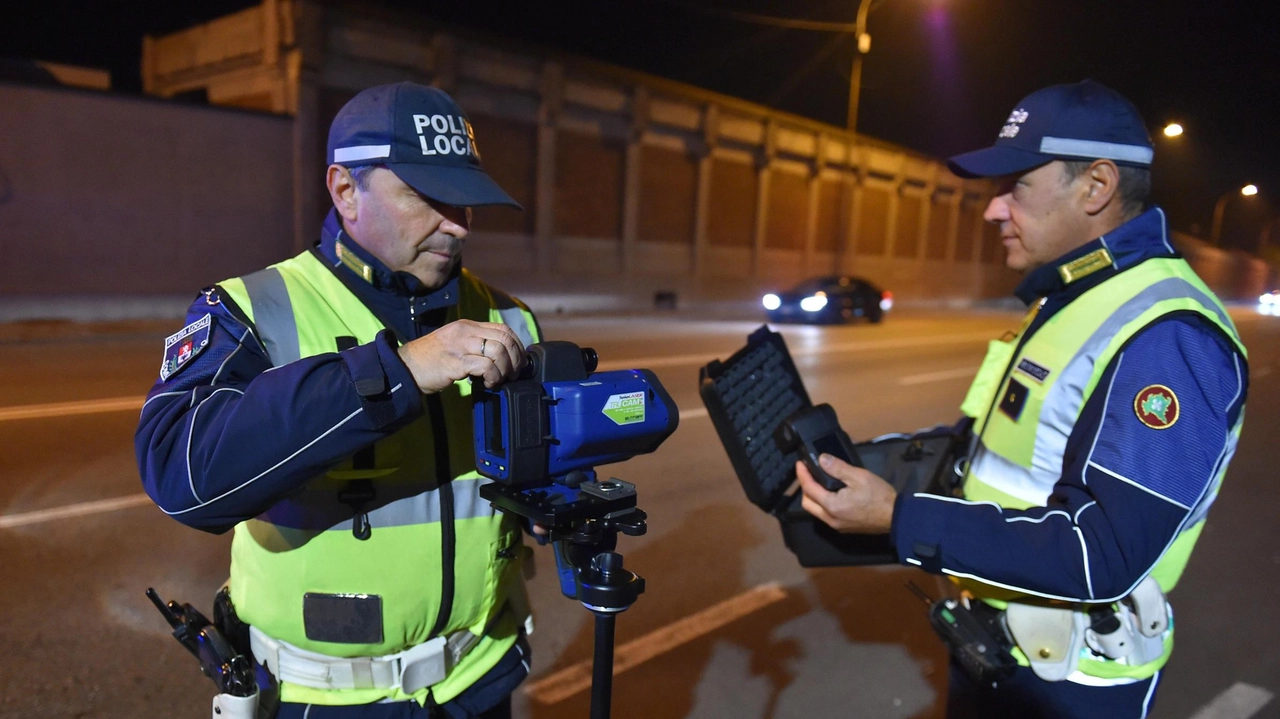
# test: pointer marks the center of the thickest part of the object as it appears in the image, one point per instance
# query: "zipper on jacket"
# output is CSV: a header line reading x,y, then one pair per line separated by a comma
x,y
448,536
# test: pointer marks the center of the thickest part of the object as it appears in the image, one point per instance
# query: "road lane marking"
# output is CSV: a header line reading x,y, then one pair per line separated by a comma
x,y
66,409
832,348
73,510
913,379
120,404
1240,701
571,680
692,413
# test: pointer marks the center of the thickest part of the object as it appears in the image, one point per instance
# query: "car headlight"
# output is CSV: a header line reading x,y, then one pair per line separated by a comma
x,y
814,303
771,301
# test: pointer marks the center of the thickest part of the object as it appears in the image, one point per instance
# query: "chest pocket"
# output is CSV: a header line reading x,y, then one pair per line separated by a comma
x,y
1015,419
983,390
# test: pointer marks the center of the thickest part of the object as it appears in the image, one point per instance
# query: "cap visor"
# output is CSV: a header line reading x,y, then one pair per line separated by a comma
x,y
457,186
996,161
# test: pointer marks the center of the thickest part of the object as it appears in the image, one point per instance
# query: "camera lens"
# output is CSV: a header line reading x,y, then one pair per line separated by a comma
x,y
590,360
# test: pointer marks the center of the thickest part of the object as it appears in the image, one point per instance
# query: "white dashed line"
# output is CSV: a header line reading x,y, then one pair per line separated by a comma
x,y
66,409
950,374
812,351
73,510
1240,701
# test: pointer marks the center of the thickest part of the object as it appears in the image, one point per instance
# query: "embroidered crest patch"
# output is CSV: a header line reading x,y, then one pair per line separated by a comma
x,y
182,346
1156,406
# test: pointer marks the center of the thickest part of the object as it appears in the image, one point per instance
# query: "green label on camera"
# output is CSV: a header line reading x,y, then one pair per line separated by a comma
x,y
625,408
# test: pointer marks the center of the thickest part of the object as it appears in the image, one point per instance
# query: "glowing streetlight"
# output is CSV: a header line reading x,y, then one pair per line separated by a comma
x,y
855,75
1218,209
1173,129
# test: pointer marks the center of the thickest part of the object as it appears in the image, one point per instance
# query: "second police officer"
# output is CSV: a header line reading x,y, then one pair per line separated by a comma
x,y
1102,429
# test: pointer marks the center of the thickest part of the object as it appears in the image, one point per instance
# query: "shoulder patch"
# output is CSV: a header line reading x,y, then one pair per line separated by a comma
x,y
1156,406
183,346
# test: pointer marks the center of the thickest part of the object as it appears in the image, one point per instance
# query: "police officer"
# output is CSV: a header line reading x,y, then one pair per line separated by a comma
x,y
1102,429
320,408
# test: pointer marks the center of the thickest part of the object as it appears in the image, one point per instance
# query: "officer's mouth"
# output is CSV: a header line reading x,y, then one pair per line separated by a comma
x,y
443,254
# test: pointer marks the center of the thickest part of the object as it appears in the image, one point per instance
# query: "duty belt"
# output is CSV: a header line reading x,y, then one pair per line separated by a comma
x,y
410,670
1052,637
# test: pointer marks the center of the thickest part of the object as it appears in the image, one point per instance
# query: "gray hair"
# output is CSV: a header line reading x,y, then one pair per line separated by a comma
x,y
360,175
1134,189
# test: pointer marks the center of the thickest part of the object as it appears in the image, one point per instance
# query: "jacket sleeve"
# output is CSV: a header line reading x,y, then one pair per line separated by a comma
x,y
1127,488
226,435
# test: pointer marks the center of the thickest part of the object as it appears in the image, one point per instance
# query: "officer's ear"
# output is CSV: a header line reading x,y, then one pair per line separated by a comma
x,y
1102,185
342,190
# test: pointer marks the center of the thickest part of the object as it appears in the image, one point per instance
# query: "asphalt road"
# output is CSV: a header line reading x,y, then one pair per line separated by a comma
x,y
730,626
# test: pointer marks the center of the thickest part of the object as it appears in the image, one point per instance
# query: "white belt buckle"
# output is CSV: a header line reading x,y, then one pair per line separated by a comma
x,y
423,665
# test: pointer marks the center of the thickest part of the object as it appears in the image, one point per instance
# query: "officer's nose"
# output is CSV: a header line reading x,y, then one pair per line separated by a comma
x,y
997,210
457,221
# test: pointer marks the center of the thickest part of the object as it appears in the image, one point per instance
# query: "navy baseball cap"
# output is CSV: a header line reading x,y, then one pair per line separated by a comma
x,y
1082,121
420,134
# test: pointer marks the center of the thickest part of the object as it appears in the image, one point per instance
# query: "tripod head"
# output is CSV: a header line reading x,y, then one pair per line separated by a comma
x,y
583,524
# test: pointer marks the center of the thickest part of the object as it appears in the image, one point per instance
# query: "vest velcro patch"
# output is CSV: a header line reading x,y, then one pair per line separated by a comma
x,y
1014,399
1033,370
1156,406
182,346
342,618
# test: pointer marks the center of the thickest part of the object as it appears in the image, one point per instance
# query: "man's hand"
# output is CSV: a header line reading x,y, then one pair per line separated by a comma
x,y
864,506
464,349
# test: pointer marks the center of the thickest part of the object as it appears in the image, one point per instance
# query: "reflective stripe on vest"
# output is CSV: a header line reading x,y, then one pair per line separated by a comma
x,y
1027,470
304,543
273,313
1017,460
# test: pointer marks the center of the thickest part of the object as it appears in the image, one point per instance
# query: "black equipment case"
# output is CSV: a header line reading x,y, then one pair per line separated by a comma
x,y
748,395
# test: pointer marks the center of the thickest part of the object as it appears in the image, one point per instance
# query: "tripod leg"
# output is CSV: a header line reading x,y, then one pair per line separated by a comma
x,y
602,666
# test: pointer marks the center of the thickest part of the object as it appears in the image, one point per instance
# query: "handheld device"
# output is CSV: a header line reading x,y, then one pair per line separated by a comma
x,y
814,431
752,396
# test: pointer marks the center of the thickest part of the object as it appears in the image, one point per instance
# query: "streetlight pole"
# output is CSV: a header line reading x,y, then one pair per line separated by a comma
x,y
855,75
1219,208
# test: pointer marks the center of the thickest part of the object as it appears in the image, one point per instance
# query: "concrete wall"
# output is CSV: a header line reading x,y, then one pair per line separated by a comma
x,y
105,195
632,184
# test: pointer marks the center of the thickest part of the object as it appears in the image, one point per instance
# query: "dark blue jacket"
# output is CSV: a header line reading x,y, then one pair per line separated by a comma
x,y
1125,491
223,438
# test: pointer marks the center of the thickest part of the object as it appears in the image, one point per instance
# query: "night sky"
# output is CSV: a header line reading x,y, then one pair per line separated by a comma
x,y
941,77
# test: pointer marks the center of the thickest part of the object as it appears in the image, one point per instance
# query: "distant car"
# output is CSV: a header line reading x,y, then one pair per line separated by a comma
x,y
1269,303
835,298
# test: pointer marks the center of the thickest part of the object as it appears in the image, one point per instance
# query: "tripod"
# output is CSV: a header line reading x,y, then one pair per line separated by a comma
x,y
583,522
